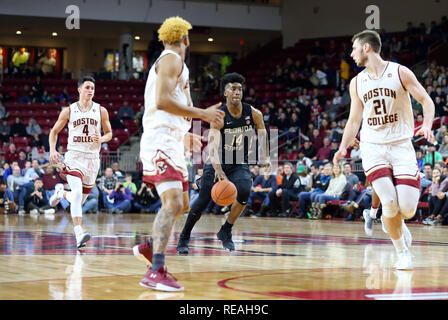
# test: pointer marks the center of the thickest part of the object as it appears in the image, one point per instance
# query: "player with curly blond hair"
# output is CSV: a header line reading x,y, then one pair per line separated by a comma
x,y
166,122
173,30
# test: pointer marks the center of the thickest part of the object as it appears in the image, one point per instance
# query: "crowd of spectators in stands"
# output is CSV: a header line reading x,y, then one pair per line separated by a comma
x,y
28,189
310,126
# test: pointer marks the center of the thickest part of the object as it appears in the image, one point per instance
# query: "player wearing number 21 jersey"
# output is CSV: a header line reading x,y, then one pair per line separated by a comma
x,y
380,101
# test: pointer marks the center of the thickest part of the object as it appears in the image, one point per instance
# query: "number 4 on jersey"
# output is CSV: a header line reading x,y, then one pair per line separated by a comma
x,y
86,130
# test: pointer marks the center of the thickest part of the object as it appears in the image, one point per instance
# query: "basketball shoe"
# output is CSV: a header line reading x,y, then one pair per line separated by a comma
x,y
82,239
226,237
58,195
182,245
368,222
143,252
160,280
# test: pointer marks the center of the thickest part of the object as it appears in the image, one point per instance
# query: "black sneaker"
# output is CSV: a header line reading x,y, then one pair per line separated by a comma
x,y
182,246
226,237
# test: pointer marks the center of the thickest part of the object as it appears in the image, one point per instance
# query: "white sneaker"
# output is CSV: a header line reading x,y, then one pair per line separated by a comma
x,y
21,212
81,242
404,261
383,226
34,212
407,235
58,195
368,222
49,211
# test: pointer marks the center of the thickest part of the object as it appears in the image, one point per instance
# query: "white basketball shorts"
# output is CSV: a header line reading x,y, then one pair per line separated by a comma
x,y
82,165
162,155
397,160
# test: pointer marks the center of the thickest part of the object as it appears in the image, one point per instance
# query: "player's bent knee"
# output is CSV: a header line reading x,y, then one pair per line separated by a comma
x,y
407,210
243,193
390,208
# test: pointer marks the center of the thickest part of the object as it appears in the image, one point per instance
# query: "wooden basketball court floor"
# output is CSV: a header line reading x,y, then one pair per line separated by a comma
x,y
275,258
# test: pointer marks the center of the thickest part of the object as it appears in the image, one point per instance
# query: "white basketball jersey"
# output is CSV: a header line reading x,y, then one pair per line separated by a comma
x,y
81,127
387,115
154,118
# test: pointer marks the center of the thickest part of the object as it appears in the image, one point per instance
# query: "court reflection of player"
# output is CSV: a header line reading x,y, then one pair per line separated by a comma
x,y
229,159
380,276
73,284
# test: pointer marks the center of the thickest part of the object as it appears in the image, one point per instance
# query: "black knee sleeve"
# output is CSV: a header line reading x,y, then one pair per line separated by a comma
x,y
243,188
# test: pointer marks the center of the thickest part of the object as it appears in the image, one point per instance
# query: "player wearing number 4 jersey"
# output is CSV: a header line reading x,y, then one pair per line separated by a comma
x,y
380,101
85,120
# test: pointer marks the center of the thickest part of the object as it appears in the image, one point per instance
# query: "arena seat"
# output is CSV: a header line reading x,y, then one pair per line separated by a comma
x,y
294,208
114,144
121,134
131,125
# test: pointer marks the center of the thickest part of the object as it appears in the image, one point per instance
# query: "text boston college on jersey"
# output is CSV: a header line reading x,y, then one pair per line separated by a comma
x,y
380,106
86,122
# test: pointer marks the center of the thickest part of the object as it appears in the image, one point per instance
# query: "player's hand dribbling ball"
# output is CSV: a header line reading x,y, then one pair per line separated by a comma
x,y
224,193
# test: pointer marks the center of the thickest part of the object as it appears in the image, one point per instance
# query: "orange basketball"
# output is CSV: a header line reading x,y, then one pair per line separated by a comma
x,y
224,193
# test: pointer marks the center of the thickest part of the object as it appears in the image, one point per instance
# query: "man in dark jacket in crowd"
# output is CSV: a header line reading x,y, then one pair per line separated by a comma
x,y
36,199
288,191
261,187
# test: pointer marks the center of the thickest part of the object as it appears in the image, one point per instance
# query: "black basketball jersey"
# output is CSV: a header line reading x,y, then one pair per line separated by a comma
x,y
237,136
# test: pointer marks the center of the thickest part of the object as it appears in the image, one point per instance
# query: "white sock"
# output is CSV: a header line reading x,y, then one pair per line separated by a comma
x,y
373,212
400,244
78,231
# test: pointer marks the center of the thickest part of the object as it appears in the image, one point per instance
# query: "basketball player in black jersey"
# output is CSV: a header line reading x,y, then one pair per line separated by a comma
x,y
229,144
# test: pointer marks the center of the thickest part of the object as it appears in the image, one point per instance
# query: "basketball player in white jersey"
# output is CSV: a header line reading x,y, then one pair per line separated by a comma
x,y
380,101
166,122
85,120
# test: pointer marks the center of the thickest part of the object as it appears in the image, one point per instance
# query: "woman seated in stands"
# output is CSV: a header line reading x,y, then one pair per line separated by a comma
x,y
334,191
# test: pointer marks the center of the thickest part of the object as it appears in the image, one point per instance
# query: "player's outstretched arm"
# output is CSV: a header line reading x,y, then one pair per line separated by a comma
x,y
262,137
53,136
169,68
413,86
353,123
